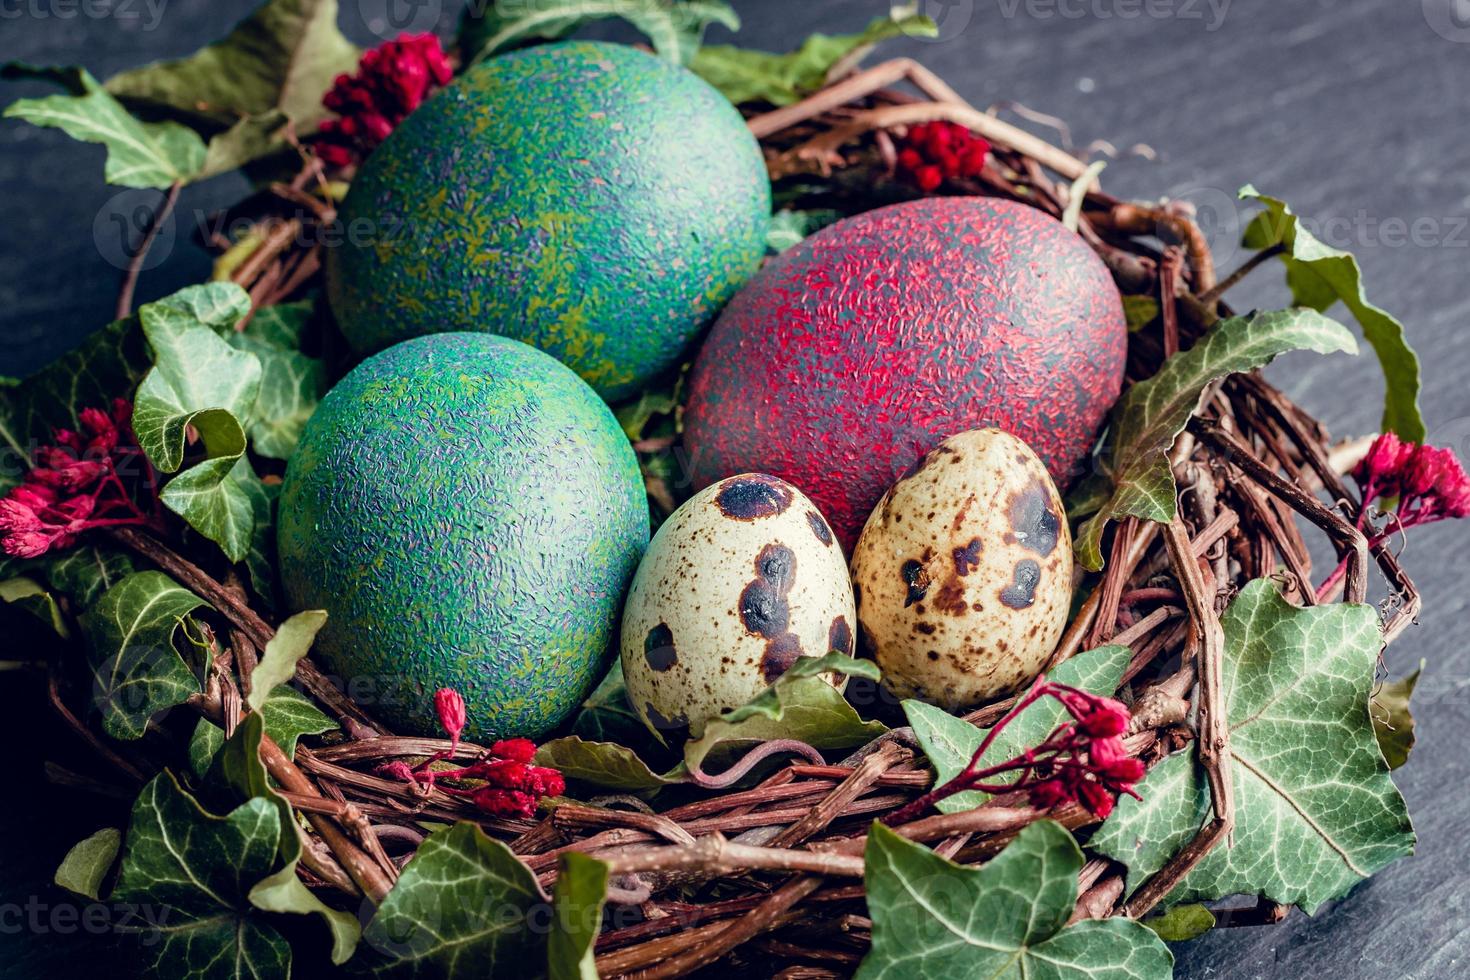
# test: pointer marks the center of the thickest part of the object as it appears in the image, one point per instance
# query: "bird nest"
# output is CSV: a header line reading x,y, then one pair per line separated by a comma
x,y
764,872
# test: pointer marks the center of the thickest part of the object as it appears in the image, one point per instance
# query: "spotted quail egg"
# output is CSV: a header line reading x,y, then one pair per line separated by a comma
x,y
740,581
963,572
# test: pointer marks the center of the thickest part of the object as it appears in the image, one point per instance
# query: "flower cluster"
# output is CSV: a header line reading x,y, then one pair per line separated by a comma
x,y
512,785
934,152
392,79
76,485
1430,483
1082,761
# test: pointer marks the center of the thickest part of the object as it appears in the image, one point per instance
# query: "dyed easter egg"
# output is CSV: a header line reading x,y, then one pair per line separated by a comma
x,y
739,582
468,513
963,572
589,199
854,353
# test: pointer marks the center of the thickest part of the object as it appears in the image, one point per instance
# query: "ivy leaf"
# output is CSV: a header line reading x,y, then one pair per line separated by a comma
x,y
28,594
136,671
1152,413
238,768
85,572
288,715
1320,276
291,384
196,870
789,228
949,742
799,705
284,57
459,911
606,715
259,559
87,864
745,75
1182,923
1315,809
1008,919
581,889
1393,724
604,764
248,140
139,154
283,651
674,27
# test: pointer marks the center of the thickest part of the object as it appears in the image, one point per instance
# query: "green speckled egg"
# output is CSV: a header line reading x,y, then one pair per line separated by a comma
x,y
469,514
587,198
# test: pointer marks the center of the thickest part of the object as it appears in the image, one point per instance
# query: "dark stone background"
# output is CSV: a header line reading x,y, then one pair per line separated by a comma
x,y
1349,109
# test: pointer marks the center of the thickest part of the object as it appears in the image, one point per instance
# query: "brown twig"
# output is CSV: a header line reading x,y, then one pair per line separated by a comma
x,y
124,304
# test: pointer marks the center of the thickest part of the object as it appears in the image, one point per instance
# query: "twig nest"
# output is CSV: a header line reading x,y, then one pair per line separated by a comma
x,y
963,572
738,583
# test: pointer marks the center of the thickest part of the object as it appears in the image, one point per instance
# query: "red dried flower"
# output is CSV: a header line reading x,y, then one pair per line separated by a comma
x,y
519,749
392,80
934,152
1094,799
449,706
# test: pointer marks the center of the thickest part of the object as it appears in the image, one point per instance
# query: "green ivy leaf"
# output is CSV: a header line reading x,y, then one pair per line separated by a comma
x,y
288,715
459,911
606,715
604,764
799,705
1004,921
87,864
1320,276
260,557
1315,809
27,594
1393,724
248,140
581,889
282,58
674,27
1152,413
1182,923
744,75
196,870
283,652
136,671
85,572
949,742
291,384
139,154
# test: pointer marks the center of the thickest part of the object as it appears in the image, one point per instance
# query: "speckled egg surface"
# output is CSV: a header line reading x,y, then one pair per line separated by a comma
x,y
738,583
855,352
963,573
589,199
469,514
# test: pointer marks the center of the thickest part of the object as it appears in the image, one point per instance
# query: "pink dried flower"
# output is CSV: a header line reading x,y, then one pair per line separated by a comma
x,y
934,152
449,706
392,80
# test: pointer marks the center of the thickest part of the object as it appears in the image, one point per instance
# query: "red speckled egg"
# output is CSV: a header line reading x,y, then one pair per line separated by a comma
x,y
853,354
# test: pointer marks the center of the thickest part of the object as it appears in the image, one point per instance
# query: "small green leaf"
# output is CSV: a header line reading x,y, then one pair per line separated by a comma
x,y
1152,413
1393,723
288,714
1315,809
460,910
606,715
196,871
291,384
87,864
581,889
277,664
674,27
800,705
281,59
1320,276
950,742
27,594
1140,311
789,228
745,75
139,154
607,765
1182,923
1004,921
136,671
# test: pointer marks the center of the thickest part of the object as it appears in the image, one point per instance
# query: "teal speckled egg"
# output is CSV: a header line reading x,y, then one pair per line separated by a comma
x,y
587,198
469,514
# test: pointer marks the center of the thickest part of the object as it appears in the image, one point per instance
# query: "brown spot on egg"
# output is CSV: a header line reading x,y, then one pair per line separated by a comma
x,y
926,628
951,598
750,498
1033,523
1021,593
819,527
916,578
933,655
781,653
966,559
658,648
839,636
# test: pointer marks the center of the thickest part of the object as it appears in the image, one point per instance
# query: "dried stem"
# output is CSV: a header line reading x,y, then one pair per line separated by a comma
x,y
135,264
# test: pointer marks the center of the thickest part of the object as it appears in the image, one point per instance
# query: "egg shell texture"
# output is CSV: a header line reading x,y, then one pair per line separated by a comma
x,y
852,354
589,199
469,514
963,573
739,581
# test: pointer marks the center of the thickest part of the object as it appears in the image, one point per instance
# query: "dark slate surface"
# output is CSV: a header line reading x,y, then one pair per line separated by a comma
x,y
1346,108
